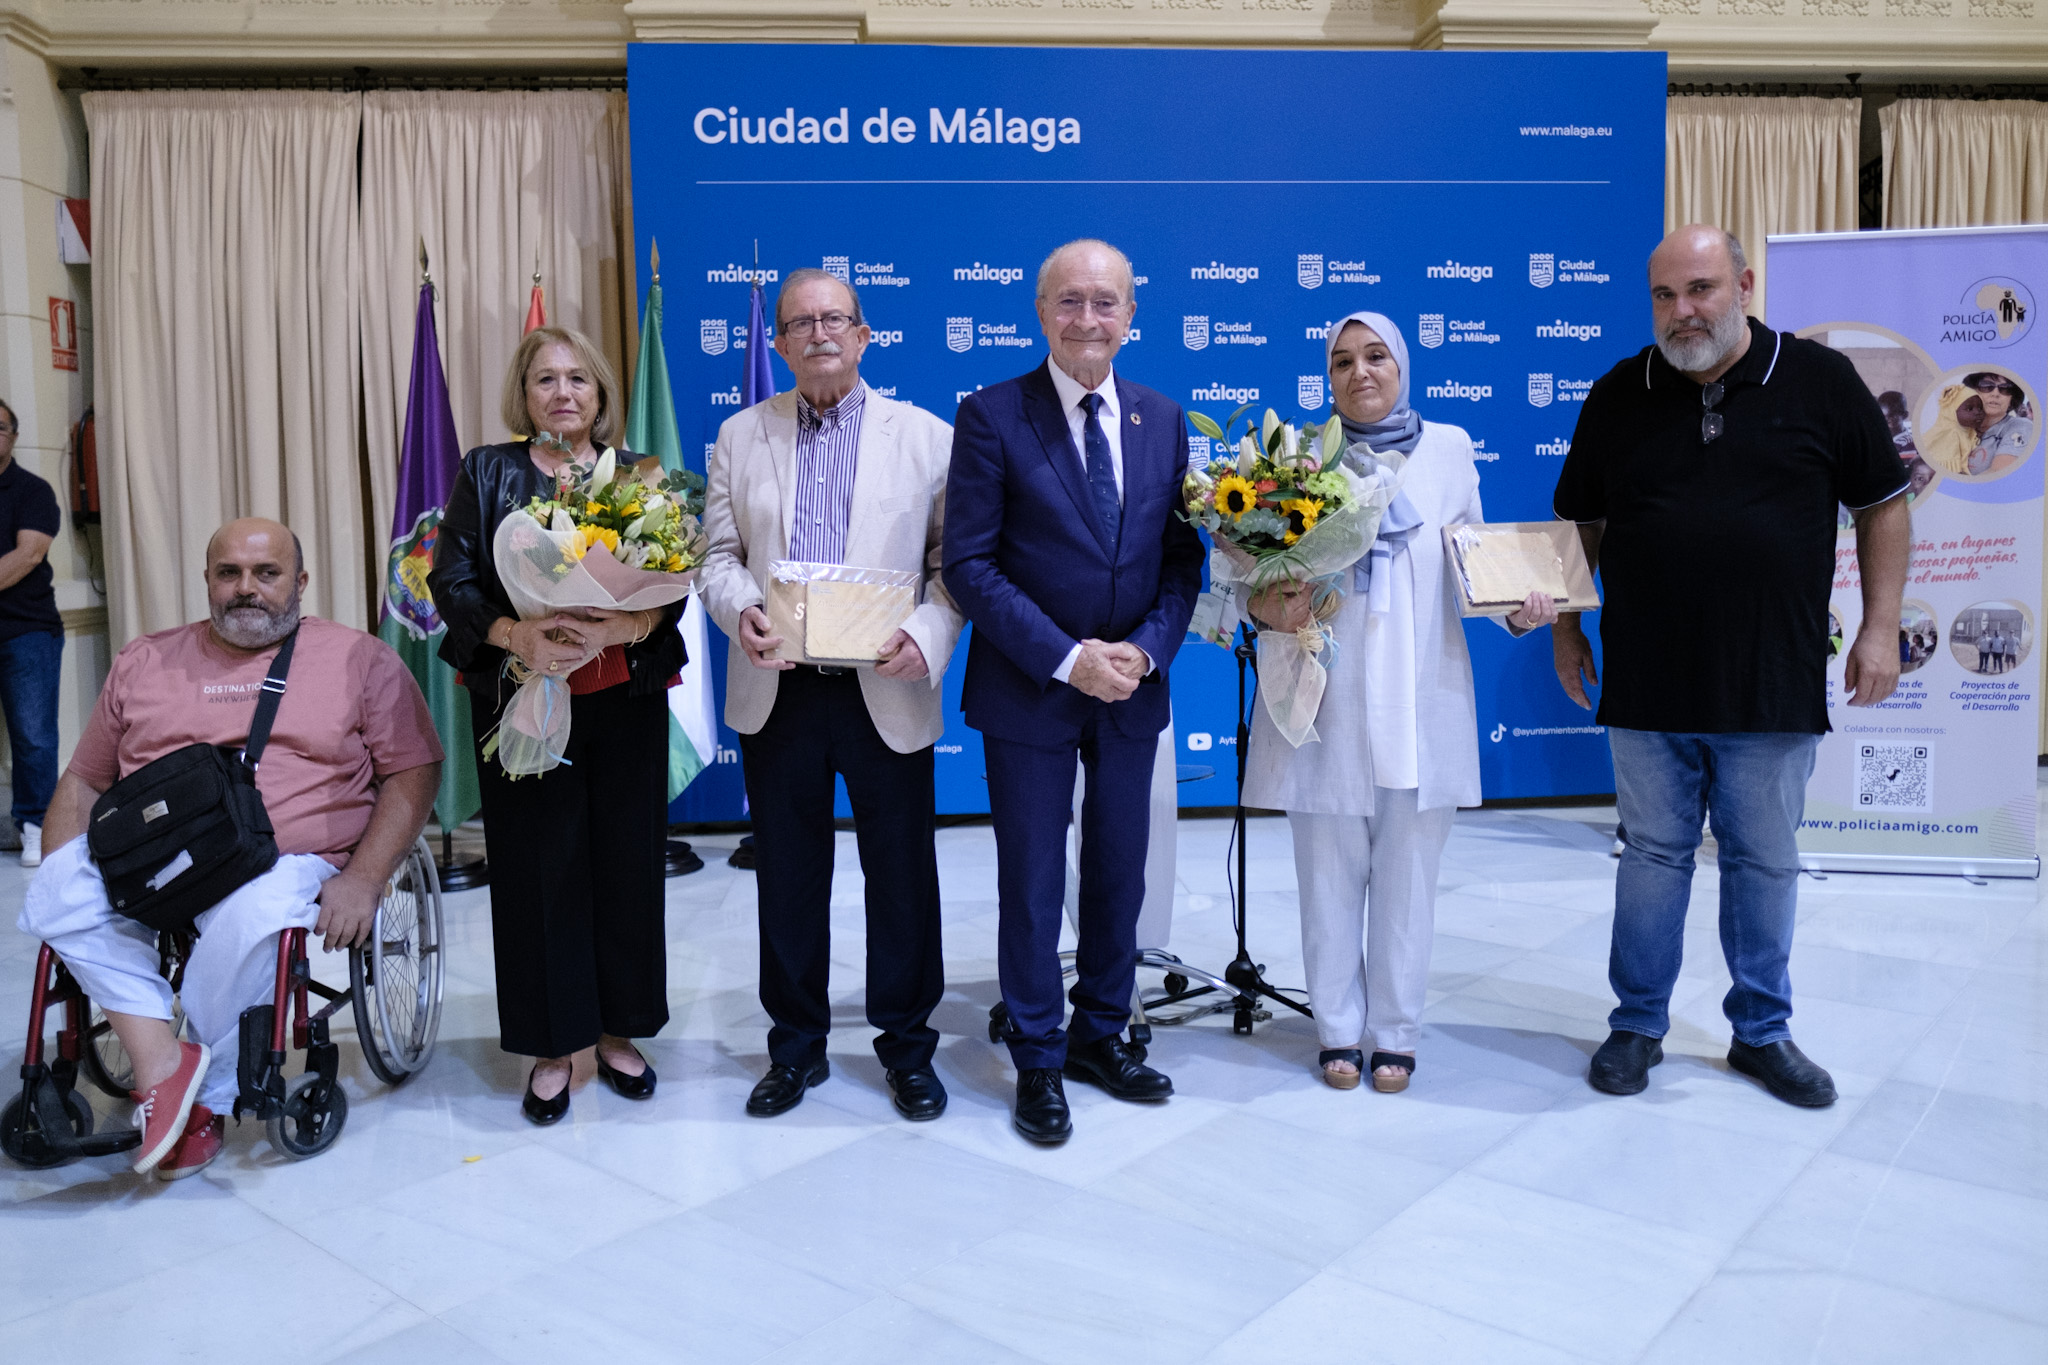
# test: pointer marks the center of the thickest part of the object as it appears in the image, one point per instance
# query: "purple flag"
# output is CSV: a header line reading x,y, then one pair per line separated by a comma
x,y
429,456
758,384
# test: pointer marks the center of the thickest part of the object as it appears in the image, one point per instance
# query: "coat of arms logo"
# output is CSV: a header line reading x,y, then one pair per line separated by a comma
x,y
1542,268
1194,332
959,334
836,267
1540,390
1429,330
1308,390
712,336
1308,271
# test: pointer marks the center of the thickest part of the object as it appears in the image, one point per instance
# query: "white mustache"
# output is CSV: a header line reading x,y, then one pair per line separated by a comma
x,y
821,348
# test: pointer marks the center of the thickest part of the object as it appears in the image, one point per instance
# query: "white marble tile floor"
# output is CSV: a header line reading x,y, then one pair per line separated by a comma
x,y
1500,1211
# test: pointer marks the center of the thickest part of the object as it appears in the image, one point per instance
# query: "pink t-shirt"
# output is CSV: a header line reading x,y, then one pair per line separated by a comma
x,y
351,713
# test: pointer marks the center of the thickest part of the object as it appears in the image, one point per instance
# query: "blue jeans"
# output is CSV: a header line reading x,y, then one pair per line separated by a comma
x,y
1753,787
28,694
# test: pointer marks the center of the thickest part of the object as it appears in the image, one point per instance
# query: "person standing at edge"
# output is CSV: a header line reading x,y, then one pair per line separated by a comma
x,y
31,638
1704,476
1064,548
834,473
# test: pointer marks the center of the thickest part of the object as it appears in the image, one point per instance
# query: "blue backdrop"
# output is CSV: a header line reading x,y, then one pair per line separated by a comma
x,y
1497,206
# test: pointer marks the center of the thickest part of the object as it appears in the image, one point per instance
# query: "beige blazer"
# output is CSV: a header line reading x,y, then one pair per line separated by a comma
x,y
899,501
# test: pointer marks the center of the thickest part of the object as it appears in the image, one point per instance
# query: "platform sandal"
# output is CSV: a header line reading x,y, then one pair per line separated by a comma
x,y
1391,1085
1338,1079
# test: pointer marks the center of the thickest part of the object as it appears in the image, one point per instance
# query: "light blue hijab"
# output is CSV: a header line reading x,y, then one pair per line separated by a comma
x,y
1400,429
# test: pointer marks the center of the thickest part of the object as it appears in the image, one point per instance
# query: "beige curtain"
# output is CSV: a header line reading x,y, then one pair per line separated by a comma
x,y
226,278
1756,165
1964,163
488,182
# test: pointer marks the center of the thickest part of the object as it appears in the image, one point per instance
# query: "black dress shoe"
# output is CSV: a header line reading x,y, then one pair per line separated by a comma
x,y
1108,1062
1041,1113
640,1087
782,1089
1786,1072
540,1111
1622,1065
917,1094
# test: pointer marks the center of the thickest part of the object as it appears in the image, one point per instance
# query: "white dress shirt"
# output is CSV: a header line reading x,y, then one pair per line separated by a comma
x,y
1111,417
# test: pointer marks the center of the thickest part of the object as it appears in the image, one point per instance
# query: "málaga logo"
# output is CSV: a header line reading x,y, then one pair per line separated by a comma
x,y
1308,271
1542,268
836,267
1429,330
959,334
1540,391
1308,391
711,335
1997,311
1194,332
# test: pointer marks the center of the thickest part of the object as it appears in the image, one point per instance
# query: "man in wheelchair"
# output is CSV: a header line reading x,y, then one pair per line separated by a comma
x,y
349,778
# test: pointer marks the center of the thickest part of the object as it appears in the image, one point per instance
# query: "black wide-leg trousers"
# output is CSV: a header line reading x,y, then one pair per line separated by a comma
x,y
577,879
819,727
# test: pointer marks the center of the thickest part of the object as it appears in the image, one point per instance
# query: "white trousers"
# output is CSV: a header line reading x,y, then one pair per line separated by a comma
x,y
1369,880
1162,851
233,965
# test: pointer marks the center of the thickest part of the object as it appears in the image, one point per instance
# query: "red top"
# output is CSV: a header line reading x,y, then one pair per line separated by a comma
x,y
608,669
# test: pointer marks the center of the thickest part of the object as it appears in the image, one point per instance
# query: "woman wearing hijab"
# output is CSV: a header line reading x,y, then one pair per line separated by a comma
x,y
1370,802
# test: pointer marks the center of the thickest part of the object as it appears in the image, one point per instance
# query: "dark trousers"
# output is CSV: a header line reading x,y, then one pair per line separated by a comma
x,y
577,880
1031,798
29,667
820,727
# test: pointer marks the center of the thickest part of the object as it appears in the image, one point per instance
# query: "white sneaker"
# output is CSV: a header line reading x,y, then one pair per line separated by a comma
x,y
31,845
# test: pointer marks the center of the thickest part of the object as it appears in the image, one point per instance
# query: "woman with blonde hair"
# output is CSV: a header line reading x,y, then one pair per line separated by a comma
x,y
576,853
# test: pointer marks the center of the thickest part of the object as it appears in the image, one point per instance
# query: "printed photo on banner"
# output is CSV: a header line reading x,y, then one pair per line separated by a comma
x,y
1918,635
1893,367
1978,423
1992,637
1836,635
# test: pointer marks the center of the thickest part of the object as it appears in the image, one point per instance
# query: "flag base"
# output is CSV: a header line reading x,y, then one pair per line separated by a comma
x,y
742,857
454,874
679,860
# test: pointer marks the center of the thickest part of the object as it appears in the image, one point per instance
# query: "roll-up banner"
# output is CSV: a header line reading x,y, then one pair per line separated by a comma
x,y
1497,206
1942,327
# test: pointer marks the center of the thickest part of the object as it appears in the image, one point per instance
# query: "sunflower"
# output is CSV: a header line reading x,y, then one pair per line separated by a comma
x,y
1301,514
594,536
1235,496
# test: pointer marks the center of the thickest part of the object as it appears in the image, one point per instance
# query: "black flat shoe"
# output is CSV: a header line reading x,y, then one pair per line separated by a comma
x,y
640,1087
1786,1072
544,1112
1108,1062
917,1094
782,1089
1041,1113
1622,1065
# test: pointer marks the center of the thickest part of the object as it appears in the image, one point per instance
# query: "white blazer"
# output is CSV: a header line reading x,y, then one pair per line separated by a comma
x,y
898,515
1333,775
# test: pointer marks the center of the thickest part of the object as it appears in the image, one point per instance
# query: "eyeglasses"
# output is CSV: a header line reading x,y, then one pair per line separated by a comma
x,y
1102,308
1994,386
831,324
1712,423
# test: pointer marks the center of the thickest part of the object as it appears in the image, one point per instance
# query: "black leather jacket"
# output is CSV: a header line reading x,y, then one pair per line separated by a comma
x,y
496,480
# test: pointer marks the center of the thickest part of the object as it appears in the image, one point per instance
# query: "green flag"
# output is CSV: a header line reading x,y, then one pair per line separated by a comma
x,y
651,430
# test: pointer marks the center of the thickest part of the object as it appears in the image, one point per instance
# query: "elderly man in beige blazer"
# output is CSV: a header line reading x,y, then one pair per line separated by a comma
x,y
834,473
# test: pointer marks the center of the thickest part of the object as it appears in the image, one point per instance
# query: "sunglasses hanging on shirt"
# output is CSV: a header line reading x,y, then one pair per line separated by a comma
x,y
1712,423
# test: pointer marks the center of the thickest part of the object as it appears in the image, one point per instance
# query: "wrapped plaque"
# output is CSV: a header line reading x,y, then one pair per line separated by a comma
x,y
1497,564
836,614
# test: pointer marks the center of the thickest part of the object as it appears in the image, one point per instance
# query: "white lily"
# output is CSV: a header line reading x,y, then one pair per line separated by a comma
x,y
560,520
607,466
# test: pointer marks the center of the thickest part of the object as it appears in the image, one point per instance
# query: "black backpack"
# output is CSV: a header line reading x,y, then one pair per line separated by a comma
x,y
178,836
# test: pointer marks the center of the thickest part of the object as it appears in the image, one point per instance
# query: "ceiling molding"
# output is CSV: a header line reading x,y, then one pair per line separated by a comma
x,y
1602,25
747,21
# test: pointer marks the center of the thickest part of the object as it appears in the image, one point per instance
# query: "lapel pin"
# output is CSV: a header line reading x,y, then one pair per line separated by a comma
x,y
1135,421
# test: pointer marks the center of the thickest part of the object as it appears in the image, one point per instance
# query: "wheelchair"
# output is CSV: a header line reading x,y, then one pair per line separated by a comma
x,y
395,984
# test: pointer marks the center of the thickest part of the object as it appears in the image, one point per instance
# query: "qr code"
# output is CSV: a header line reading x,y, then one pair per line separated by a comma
x,y
1895,777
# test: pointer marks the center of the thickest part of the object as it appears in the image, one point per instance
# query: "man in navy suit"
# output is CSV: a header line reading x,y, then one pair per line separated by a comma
x,y
1064,548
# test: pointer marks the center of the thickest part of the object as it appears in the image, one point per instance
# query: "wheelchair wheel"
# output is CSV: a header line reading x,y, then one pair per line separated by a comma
x,y
306,1126
105,1062
23,1139
397,976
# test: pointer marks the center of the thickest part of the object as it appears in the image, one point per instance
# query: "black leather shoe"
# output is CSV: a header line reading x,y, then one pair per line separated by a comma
x,y
540,1111
917,1094
1108,1062
1041,1113
640,1087
1622,1065
782,1089
1786,1072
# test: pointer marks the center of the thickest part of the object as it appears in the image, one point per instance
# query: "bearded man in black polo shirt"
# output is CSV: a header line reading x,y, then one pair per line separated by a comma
x,y
1705,475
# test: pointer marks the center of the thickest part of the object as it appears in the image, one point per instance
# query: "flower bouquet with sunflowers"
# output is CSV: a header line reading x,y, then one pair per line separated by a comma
x,y
611,537
1286,505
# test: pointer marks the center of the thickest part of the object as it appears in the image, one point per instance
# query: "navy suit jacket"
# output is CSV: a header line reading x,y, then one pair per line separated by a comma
x,y
1029,561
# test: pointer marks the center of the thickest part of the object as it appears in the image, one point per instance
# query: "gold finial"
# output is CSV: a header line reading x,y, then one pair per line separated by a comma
x,y
426,274
654,258
536,268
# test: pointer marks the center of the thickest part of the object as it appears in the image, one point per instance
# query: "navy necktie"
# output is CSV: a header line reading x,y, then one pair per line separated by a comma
x,y
1101,473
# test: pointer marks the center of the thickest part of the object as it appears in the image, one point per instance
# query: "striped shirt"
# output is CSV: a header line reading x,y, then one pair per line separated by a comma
x,y
827,449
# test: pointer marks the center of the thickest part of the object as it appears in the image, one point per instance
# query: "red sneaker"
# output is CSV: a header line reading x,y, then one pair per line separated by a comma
x,y
205,1133
162,1111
